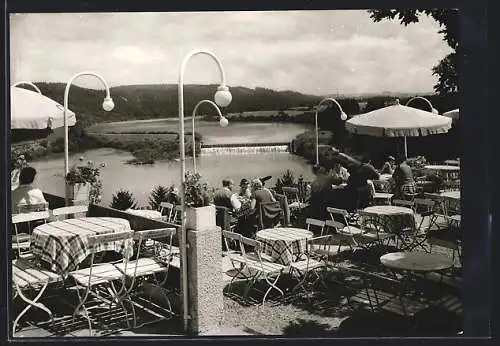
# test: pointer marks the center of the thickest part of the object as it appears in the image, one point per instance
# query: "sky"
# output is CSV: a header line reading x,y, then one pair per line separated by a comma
x,y
313,52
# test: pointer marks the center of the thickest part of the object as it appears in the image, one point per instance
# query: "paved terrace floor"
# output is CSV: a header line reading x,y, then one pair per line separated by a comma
x,y
305,316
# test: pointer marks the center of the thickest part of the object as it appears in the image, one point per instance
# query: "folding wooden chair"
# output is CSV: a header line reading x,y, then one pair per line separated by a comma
x,y
295,204
312,263
103,285
167,211
318,225
26,276
153,261
258,269
21,240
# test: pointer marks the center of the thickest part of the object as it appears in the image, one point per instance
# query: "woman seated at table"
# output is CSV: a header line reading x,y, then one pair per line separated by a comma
x,y
404,184
358,193
26,193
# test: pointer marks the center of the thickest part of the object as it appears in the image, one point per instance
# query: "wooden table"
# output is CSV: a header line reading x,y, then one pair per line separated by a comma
x,y
284,244
63,245
421,262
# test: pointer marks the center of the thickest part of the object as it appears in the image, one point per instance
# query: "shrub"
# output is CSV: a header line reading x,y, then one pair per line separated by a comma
x,y
123,200
159,194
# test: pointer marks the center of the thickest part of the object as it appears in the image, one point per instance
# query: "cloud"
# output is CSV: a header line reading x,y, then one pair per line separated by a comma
x,y
308,51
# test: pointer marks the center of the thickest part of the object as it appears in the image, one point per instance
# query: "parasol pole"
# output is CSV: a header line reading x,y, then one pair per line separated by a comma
x,y
406,149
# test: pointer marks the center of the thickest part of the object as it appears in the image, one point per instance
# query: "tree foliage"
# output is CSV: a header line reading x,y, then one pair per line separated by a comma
x,y
448,68
123,200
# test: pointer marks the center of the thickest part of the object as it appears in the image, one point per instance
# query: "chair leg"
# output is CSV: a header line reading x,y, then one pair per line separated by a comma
x,y
31,302
272,285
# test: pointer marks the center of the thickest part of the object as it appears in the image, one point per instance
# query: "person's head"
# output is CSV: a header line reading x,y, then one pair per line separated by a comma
x,y
27,175
256,184
227,182
244,184
391,159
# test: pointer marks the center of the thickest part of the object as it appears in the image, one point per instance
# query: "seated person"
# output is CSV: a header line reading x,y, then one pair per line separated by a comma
x,y
321,194
389,166
26,193
404,184
339,173
245,192
259,195
358,192
263,180
173,196
225,197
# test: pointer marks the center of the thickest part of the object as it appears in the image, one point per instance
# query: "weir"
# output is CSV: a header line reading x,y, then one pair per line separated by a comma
x,y
244,149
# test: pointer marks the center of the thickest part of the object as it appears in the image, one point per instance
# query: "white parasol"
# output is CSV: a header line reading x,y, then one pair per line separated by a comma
x,y
453,114
33,111
398,121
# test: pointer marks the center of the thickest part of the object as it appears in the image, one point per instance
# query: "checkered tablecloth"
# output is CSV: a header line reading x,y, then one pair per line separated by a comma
x,y
393,218
283,244
63,245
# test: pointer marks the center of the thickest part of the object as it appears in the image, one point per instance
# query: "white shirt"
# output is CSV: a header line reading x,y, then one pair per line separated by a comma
x,y
235,202
26,194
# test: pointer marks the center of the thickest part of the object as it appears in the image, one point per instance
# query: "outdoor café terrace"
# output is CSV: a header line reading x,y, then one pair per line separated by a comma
x,y
393,268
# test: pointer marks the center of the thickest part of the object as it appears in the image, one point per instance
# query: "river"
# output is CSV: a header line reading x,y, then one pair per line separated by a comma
x,y
140,180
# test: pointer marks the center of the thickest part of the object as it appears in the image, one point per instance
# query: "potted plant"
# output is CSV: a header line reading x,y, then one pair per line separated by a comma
x,y
200,212
83,183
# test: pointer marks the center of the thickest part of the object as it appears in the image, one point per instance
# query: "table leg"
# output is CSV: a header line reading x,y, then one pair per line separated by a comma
x,y
31,302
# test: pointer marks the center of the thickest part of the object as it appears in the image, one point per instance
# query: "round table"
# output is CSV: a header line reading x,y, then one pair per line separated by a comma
x,y
64,244
393,218
416,261
283,244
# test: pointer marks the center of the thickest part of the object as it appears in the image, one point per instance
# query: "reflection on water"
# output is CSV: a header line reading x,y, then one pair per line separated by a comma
x,y
141,179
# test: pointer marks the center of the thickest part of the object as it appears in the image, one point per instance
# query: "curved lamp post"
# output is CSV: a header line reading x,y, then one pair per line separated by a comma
x,y
343,116
433,110
222,98
107,105
28,83
222,121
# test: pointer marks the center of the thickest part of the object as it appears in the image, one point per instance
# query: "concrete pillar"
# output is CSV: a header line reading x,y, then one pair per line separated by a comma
x,y
205,281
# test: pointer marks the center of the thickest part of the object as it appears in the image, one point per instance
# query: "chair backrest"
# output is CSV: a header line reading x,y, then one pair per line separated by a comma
x,y
70,210
232,241
177,214
27,217
28,208
109,237
22,222
166,210
284,206
291,193
159,233
252,246
270,214
316,223
336,214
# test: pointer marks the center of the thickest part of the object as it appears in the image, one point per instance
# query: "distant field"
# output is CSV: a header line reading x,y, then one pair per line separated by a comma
x,y
134,137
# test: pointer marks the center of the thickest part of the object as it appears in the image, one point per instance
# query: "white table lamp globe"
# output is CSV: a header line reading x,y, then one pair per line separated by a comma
x,y
223,121
343,116
108,104
223,97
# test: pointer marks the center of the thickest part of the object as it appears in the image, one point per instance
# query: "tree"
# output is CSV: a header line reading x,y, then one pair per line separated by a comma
x,y
448,68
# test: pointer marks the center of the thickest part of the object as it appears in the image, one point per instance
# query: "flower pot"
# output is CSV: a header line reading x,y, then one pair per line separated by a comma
x,y
78,192
201,218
